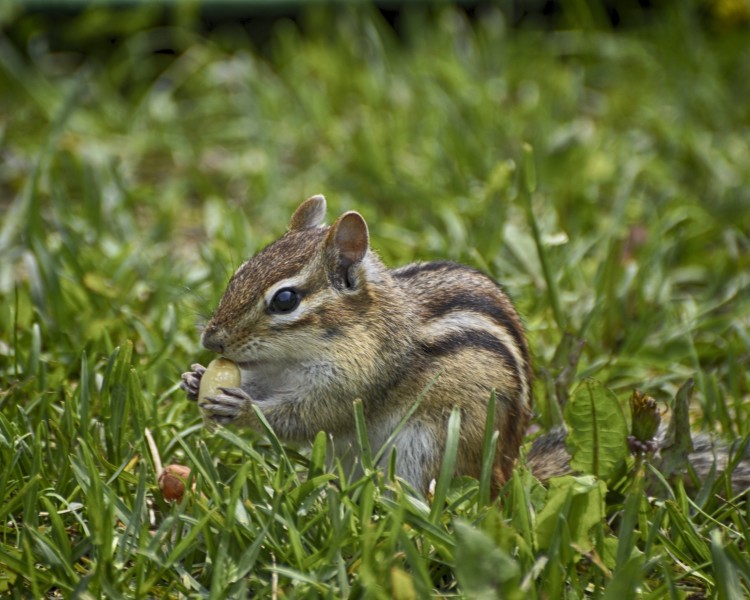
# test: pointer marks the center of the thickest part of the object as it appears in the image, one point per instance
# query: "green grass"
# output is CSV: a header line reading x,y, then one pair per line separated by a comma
x,y
132,183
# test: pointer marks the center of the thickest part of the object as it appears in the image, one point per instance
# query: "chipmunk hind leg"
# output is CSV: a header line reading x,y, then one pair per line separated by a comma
x,y
418,453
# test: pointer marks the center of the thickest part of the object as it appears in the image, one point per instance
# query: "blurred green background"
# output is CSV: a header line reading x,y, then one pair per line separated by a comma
x,y
148,148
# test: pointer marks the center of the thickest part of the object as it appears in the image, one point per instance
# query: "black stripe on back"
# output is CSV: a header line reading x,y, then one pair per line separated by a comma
x,y
440,307
417,268
455,342
472,302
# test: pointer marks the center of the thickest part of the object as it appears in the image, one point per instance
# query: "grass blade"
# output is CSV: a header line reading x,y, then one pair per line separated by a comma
x,y
448,466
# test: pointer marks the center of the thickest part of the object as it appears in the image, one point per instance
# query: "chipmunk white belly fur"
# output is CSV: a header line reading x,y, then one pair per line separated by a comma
x,y
316,321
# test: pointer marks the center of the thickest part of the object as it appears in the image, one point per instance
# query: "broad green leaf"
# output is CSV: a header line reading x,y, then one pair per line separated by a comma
x,y
597,431
575,503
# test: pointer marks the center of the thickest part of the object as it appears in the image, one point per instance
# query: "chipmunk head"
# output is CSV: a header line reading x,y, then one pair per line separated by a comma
x,y
289,301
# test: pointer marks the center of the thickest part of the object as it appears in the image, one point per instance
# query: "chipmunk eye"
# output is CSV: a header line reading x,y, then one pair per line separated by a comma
x,y
285,300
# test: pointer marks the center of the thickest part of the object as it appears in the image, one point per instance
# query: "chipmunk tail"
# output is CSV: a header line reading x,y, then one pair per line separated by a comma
x,y
548,457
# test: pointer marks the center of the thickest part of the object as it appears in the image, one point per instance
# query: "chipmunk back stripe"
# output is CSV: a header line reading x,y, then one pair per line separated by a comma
x,y
456,342
498,313
504,315
465,321
417,268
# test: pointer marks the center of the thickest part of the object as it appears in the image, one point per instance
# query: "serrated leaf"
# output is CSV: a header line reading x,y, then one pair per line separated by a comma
x,y
597,430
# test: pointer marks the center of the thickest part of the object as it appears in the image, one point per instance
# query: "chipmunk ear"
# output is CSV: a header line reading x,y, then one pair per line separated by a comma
x,y
309,214
346,245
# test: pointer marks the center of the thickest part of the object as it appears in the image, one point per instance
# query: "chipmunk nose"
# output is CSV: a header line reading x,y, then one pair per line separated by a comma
x,y
212,339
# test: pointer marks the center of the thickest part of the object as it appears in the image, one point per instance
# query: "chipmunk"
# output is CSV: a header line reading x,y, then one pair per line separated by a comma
x,y
316,321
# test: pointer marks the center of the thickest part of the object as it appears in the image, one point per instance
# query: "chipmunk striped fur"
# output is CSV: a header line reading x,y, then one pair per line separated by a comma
x,y
316,321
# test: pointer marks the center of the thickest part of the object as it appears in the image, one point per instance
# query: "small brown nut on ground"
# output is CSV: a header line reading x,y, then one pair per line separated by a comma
x,y
172,481
220,373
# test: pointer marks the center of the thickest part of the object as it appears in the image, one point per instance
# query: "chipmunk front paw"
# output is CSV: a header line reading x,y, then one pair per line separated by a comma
x,y
191,381
232,405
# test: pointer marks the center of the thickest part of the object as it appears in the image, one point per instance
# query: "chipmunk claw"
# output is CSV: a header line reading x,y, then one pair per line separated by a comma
x,y
227,407
191,381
